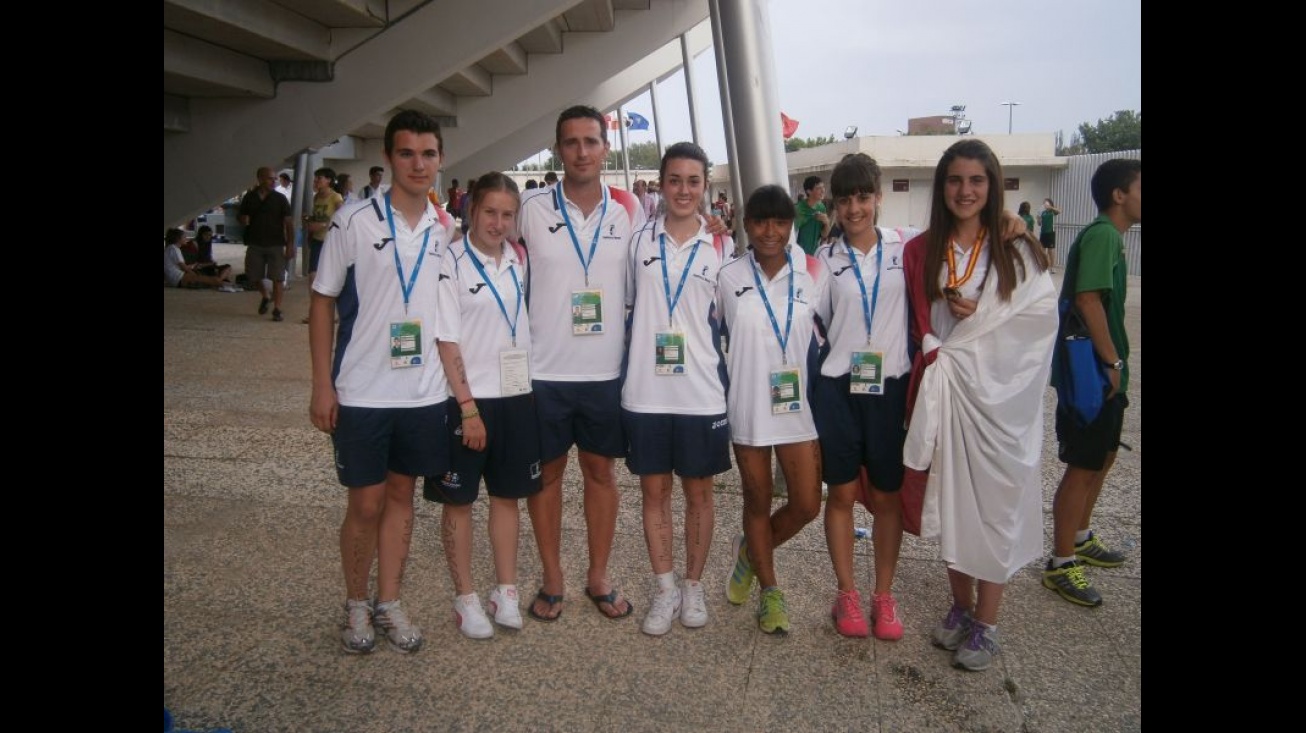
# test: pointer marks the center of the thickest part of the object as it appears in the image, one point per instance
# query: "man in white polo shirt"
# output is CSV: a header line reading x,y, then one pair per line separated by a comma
x,y
578,234
381,396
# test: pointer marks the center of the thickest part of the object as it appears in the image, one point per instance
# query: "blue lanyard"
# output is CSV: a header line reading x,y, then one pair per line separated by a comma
x,y
868,313
666,280
594,244
399,266
789,317
489,283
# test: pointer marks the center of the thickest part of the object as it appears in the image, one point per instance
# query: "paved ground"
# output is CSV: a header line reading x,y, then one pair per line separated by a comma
x,y
252,592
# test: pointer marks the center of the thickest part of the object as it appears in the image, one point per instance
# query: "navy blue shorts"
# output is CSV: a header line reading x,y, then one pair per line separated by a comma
x,y
314,253
1087,446
370,441
510,463
861,430
586,414
694,446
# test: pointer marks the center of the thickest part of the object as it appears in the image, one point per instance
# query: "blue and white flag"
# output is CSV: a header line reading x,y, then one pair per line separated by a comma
x,y
637,121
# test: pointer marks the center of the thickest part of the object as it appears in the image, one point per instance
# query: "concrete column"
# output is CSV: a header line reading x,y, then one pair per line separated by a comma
x,y
687,63
303,182
657,126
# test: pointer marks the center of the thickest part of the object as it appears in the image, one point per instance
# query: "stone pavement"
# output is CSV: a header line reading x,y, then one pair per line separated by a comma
x,y
252,593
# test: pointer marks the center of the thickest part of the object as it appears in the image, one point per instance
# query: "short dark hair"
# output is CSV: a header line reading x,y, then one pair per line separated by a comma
x,y
770,202
855,173
286,176
551,177
811,182
327,173
375,169
173,236
577,112
412,121
532,183
204,229
1118,173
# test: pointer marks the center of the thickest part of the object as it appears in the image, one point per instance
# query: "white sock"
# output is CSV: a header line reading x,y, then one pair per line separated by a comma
x,y
468,598
666,581
1082,536
689,581
504,588
1059,561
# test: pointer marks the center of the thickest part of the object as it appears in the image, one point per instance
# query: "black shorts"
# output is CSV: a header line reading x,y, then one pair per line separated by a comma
x,y
586,414
1087,446
371,441
510,462
861,430
693,446
1048,239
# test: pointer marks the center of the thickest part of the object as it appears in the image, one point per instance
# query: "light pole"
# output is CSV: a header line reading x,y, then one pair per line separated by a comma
x,y
1011,106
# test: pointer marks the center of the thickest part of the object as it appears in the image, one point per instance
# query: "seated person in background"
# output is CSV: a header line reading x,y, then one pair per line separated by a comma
x,y
204,245
177,273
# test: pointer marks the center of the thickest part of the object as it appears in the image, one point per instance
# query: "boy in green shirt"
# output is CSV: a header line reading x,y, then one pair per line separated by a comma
x,y
1095,280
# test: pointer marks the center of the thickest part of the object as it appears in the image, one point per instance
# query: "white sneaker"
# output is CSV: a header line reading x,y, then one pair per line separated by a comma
x,y
470,617
505,607
693,609
666,608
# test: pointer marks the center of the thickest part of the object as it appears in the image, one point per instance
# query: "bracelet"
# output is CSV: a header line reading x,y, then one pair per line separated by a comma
x,y
469,399
468,415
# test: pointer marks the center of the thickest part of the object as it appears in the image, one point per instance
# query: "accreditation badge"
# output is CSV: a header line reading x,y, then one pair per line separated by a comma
x,y
586,312
669,353
514,372
786,390
866,376
406,344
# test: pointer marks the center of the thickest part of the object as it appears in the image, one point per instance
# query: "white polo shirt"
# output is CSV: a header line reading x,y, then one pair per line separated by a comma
x,y
844,310
555,270
700,390
358,268
470,315
754,350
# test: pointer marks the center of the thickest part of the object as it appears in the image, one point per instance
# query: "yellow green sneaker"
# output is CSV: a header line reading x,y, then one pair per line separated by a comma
x,y
773,615
740,584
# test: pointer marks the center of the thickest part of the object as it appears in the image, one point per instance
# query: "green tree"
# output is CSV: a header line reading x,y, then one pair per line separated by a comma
x,y
798,143
1123,130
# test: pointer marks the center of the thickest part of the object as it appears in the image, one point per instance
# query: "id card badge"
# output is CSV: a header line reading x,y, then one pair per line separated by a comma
x,y
867,373
669,353
586,312
406,344
514,372
786,390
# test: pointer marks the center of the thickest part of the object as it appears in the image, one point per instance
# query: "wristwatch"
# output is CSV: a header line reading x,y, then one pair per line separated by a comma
x,y
1119,365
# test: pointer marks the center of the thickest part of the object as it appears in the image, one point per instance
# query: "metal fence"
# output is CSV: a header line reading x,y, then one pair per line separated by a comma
x,y
1072,194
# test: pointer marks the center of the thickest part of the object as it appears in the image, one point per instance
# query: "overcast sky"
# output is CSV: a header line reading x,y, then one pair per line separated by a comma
x,y
877,63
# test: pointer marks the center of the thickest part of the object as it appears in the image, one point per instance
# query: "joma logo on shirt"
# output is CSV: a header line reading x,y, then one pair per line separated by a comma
x,y
554,229
651,260
476,289
381,244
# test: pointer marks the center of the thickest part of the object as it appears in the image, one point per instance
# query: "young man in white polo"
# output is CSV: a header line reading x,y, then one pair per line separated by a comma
x,y
379,389
577,234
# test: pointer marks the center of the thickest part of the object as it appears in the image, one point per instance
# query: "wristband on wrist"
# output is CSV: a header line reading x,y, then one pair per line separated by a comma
x,y
463,402
469,414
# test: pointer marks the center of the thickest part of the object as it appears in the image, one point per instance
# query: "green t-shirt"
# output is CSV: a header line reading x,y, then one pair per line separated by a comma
x,y
808,226
1045,221
1096,261
1029,222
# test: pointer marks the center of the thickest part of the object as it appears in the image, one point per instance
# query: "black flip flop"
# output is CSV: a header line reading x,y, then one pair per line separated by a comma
x,y
611,600
551,600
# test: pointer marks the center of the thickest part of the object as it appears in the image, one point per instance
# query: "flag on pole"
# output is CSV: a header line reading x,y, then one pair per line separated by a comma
x,y
637,121
789,126
612,120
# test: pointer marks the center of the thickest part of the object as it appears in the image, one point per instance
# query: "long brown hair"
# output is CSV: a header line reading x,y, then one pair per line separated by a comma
x,y
1005,258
